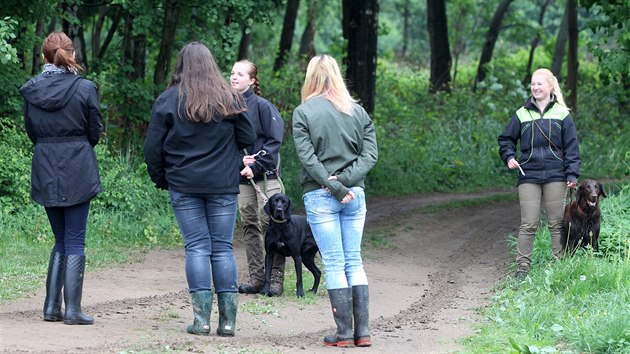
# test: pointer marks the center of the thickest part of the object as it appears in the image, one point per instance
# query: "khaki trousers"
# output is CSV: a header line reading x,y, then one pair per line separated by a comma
x,y
531,196
255,222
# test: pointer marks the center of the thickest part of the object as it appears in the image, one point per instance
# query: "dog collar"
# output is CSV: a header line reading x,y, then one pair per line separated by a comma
x,y
278,221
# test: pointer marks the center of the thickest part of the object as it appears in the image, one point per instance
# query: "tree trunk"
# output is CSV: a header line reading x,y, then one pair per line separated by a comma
x,y
75,32
534,44
561,44
406,15
286,38
491,39
139,56
307,48
572,71
246,40
360,28
166,45
440,51
37,49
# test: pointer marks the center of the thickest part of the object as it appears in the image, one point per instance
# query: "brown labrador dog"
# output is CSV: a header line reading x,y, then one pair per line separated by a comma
x,y
291,236
582,217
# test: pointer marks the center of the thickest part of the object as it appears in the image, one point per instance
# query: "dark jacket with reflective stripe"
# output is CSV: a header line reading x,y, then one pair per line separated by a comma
x,y
63,120
549,148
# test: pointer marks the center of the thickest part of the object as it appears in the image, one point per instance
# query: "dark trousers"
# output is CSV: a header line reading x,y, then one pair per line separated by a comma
x,y
69,225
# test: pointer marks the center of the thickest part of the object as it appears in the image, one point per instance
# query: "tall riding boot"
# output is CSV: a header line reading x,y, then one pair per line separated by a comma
x,y
341,302
54,283
361,310
73,291
202,305
228,306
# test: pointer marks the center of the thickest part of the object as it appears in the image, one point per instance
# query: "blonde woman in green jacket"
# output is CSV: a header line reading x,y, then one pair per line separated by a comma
x,y
336,144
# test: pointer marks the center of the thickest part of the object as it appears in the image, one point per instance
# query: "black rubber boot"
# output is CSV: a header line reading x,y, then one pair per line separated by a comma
x,y
202,305
228,306
361,310
341,302
54,284
73,291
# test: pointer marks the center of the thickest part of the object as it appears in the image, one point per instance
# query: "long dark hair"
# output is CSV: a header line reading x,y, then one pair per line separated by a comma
x,y
202,86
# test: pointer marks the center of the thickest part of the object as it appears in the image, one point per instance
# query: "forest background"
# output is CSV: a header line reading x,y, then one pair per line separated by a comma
x,y
440,79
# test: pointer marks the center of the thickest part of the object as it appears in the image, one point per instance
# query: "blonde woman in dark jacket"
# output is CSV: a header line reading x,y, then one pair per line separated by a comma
x,y
336,144
63,120
548,162
197,129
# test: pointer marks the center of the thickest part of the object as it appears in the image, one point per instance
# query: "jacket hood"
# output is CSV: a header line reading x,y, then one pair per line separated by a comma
x,y
50,92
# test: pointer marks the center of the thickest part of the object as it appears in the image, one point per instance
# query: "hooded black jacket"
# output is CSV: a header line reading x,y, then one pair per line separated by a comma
x,y
63,120
194,158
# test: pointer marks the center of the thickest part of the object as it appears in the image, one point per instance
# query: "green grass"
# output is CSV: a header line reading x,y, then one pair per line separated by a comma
x,y
580,304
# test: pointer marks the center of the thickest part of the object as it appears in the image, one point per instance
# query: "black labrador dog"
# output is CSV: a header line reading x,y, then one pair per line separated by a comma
x,y
582,217
291,236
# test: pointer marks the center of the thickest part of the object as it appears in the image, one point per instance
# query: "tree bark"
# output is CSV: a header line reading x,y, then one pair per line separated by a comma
x,y
561,44
286,38
535,42
491,39
406,15
440,51
171,12
246,40
572,70
360,28
37,49
307,48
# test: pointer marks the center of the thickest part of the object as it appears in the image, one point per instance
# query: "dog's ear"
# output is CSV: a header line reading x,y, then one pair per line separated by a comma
x,y
266,207
578,193
602,192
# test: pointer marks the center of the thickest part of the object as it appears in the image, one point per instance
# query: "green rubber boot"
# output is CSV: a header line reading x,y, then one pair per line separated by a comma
x,y
228,306
202,305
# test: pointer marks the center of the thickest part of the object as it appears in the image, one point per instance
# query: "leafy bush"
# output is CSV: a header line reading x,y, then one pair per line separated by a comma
x,y
15,174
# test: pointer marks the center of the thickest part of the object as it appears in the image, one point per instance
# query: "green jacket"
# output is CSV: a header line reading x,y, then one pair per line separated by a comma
x,y
332,143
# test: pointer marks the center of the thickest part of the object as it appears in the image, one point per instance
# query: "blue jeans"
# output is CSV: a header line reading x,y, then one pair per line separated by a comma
x,y
338,231
207,225
69,225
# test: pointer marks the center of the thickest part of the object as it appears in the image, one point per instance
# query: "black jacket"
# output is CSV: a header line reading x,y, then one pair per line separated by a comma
x,y
549,148
269,128
63,120
194,158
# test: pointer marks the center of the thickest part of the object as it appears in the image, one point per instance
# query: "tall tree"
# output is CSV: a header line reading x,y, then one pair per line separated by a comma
x,y
360,28
440,51
535,42
572,70
286,38
307,48
561,44
246,39
491,39
169,25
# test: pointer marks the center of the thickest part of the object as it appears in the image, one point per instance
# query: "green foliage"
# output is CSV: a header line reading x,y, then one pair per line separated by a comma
x,y
610,23
15,174
576,305
8,54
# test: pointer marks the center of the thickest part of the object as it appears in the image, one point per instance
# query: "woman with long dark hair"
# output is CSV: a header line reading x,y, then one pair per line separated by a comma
x,y
192,146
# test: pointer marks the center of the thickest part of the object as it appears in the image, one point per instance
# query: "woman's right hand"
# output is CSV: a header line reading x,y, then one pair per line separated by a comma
x,y
513,164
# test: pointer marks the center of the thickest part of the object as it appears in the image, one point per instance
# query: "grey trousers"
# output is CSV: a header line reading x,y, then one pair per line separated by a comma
x,y
531,196
255,222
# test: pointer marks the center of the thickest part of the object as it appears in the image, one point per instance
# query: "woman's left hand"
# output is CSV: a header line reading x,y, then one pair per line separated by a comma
x,y
571,184
247,172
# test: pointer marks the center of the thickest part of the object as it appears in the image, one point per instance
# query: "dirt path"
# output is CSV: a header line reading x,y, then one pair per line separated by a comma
x,y
438,267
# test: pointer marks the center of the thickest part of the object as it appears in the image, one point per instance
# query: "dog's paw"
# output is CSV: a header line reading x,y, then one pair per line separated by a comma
x,y
299,293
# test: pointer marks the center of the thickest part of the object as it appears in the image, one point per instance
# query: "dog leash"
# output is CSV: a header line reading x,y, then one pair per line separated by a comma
x,y
257,187
570,221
